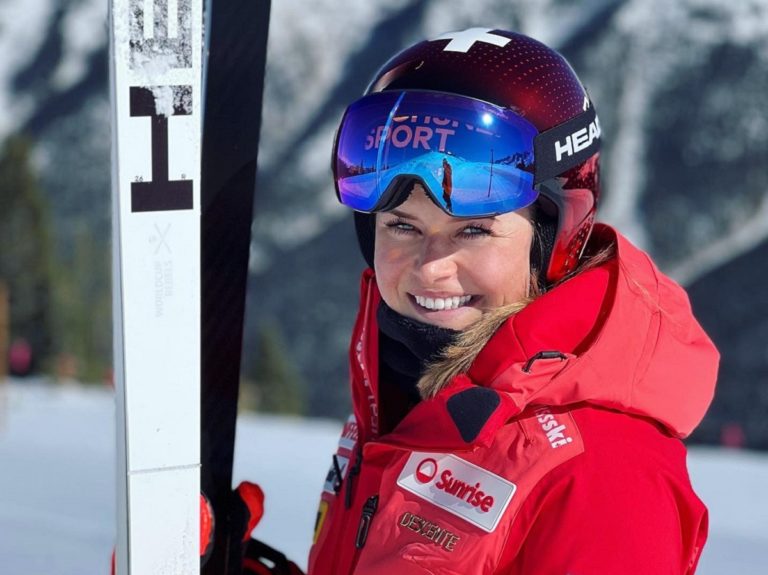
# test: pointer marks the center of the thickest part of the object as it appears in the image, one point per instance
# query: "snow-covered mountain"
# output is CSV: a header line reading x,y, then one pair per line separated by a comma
x,y
679,86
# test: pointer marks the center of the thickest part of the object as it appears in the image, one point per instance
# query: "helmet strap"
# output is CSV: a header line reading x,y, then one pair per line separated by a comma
x,y
365,226
544,232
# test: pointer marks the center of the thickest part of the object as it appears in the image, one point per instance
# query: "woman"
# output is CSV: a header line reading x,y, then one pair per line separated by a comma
x,y
521,377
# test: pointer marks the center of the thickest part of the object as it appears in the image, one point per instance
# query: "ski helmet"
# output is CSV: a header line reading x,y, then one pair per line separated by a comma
x,y
527,80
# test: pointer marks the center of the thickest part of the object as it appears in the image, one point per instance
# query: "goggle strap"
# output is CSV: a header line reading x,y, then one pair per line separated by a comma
x,y
567,145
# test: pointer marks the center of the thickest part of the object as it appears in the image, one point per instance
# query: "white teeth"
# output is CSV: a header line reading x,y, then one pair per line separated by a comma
x,y
454,302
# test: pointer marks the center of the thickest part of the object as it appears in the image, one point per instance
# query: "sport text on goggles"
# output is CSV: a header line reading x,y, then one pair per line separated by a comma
x,y
472,157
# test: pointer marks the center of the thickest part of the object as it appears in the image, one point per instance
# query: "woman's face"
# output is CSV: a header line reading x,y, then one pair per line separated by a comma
x,y
445,271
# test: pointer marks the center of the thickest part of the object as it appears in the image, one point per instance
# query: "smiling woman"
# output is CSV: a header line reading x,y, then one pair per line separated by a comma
x,y
517,371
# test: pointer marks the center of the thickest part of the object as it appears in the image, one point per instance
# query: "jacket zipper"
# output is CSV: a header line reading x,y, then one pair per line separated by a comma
x,y
369,510
345,484
354,470
369,507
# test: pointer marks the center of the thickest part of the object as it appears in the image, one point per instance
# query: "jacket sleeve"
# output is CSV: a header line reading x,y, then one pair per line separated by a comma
x,y
623,507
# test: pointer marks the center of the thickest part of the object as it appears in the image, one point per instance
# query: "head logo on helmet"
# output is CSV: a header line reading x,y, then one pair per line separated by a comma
x,y
521,75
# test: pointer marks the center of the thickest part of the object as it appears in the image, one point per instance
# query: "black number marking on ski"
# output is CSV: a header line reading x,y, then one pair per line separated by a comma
x,y
160,194
159,42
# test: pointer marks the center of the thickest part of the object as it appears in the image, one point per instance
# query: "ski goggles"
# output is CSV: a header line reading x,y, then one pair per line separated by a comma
x,y
472,157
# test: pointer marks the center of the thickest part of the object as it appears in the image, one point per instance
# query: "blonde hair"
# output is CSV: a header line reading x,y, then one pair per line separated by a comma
x,y
459,356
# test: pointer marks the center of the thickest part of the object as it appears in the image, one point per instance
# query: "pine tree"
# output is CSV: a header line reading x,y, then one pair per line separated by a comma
x,y
83,305
276,379
25,256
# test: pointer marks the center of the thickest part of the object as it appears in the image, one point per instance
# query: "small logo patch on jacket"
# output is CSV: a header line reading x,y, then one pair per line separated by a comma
x,y
334,479
557,433
432,531
462,488
349,434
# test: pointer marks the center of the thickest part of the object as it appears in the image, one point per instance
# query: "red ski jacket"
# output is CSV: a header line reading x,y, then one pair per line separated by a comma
x,y
558,453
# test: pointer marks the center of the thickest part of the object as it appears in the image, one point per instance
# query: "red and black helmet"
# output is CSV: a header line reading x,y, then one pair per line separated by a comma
x,y
535,82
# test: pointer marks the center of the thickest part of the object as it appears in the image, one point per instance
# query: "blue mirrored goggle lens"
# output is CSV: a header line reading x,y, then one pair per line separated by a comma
x,y
474,158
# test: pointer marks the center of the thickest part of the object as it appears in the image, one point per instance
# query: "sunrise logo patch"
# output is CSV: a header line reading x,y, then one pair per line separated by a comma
x,y
462,488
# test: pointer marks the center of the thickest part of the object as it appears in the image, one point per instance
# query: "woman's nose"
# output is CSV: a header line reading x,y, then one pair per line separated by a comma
x,y
436,260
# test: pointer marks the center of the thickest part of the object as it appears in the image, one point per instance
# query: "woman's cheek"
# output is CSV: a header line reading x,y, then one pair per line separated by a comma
x,y
501,275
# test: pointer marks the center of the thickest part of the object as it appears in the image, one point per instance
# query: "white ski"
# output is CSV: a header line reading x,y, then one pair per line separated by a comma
x,y
156,123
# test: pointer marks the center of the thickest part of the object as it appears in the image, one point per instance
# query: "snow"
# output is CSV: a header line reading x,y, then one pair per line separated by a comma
x,y
308,44
24,28
17,43
85,31
57,484
724,247
688,34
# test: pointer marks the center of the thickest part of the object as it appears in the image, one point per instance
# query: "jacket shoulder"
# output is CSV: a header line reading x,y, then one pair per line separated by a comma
x,y
623,504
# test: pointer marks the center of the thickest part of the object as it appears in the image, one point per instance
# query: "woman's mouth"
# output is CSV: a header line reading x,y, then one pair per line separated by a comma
x,y
442,303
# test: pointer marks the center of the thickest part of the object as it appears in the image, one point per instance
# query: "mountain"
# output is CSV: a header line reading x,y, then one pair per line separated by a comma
x,y
679,86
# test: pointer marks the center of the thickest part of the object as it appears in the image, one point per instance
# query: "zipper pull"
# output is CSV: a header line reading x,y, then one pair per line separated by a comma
x,y
338,476
369,509
354,470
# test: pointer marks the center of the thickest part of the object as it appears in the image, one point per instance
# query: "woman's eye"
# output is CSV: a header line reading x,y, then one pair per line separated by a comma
x,y
400,227
475,231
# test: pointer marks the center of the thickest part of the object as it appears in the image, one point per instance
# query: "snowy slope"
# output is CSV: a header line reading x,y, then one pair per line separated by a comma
x,y
57,484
